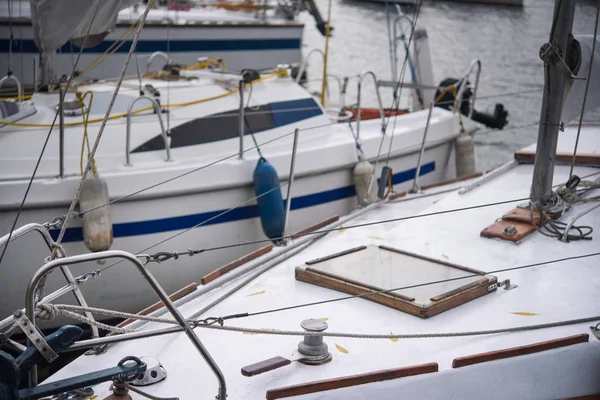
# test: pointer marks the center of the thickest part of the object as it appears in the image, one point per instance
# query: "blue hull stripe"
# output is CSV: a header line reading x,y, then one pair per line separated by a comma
x,y
176,46
125,229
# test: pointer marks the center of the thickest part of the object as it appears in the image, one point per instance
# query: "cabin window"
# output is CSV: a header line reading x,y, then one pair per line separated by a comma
x,y
225,125
368,269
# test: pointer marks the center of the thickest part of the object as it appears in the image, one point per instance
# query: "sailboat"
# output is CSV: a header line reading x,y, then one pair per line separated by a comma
x,y
256,35
178,165
482,287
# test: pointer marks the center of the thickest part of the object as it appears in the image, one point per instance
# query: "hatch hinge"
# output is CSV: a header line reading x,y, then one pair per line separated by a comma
x,y
596,330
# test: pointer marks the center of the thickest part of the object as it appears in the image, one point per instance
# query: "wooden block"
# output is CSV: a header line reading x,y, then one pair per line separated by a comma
x,y
184,291
519,214
528,157
234,264
496,230
397,196
349,381
519,351
265,365
315,227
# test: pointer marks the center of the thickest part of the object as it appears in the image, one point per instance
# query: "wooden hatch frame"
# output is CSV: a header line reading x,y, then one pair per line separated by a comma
x,y
437,304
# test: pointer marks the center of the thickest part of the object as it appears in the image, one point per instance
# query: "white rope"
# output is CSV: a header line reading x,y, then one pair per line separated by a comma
x,y
403,336
50,311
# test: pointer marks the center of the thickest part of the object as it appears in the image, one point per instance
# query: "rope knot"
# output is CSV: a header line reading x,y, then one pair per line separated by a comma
x,y
46,311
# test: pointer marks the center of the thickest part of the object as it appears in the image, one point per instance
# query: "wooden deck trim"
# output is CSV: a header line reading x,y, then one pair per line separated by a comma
x,y
234,264
528,157
316,226
397,195
184,291
449,181
519,351
348,381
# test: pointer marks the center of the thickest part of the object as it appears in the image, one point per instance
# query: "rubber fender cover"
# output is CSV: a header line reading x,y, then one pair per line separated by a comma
x,y
97,225
270,202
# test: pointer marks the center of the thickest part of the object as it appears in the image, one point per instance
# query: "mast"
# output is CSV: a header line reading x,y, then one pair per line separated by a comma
x,y
556,75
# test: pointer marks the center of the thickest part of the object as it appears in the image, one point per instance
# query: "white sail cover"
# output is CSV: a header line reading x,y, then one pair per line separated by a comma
x,y
55,22
574,99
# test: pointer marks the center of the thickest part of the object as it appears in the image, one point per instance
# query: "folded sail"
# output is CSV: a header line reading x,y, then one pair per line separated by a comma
x,y
55,22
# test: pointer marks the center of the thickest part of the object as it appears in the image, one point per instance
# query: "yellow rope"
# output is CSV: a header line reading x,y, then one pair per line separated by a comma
x,y
121,115
16,98
116,45
207,63
443,91
85,140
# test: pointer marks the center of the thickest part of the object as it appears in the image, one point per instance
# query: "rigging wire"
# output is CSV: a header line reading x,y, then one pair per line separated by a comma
x,y
119,199
395,102
39,160
587,86
236,154
246,123
163,256
373,223
11,37
375,292
103,125
398,89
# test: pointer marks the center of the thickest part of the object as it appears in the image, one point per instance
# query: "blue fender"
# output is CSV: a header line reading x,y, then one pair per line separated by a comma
x,y
269,199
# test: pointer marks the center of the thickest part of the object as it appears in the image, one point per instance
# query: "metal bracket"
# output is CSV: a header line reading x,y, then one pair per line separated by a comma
x,y
596,331
34,335
549,54
507,285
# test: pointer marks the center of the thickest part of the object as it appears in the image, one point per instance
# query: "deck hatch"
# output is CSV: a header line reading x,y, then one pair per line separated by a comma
x,y
369,269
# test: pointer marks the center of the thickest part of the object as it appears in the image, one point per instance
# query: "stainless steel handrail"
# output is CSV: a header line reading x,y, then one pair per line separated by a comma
x,y
415,186
463,86
288,200
157,110
104,255
381,112
154,55
72,284
305,62
19,86
397,26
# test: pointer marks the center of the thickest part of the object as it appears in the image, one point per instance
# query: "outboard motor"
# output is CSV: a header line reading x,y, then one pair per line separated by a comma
x,y
314,11
497,120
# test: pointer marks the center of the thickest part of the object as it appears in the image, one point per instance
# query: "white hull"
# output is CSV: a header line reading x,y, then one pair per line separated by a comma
x,y
123,288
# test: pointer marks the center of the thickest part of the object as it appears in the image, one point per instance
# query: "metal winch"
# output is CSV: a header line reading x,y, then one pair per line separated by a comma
x,y
313,347
311,351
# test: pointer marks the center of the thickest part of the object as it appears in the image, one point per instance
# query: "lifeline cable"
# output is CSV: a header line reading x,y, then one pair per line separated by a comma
x,y
39,160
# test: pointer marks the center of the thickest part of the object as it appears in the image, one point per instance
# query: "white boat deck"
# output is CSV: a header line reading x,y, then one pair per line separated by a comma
x,y
546,293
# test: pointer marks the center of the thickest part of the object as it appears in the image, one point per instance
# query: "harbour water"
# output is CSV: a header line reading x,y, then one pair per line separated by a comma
x,y
506,40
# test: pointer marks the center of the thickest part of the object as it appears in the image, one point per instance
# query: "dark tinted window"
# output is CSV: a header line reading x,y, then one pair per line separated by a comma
x,y
225,125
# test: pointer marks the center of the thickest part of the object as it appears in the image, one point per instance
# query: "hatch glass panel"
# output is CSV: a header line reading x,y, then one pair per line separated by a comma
x,y
368,269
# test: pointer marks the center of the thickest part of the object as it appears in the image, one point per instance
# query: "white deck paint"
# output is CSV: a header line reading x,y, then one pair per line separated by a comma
x,y
554,292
